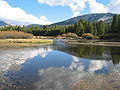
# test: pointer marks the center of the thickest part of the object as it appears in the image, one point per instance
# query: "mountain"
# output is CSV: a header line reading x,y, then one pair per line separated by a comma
x,y
106,17
3,23
35,25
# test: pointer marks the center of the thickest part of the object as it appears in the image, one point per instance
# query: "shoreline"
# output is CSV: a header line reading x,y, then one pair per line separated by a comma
x,y
99,43
16,43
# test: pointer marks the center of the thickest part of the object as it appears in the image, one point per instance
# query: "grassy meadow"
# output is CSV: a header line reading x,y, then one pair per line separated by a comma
x,y
19,39
15,35
33,41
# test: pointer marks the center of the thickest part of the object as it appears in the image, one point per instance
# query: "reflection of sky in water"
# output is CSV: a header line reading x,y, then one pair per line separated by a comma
x,y
11,58
48,68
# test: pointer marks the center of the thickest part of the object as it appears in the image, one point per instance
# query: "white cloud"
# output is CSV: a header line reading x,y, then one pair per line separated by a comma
x,y
114,6
18,16
96,7
77,6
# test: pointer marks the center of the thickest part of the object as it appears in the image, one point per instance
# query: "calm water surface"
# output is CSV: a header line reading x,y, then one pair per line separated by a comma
x,y
55,67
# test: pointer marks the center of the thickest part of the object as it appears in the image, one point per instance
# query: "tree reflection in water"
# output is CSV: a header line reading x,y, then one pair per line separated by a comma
x,y
93,52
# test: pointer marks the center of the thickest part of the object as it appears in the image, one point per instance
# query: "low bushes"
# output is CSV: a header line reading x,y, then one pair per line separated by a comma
x,y
71,35
110,36
14,35
88,36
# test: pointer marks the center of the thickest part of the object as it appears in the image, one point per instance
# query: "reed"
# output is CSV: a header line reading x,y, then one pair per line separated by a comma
x,y
23,42
37,41
14,35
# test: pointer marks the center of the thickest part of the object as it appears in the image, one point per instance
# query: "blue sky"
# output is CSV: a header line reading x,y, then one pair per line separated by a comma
x,y
53,13
53,10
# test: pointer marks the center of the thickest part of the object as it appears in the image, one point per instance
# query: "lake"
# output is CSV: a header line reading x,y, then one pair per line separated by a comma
x,y
59,67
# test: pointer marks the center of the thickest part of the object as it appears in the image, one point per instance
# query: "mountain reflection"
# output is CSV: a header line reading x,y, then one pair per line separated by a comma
x,y
93,52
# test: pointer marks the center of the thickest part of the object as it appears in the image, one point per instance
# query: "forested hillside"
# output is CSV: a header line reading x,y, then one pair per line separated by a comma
x,y
82,26
106,17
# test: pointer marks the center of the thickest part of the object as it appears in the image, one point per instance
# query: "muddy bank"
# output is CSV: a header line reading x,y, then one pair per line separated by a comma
x,y
101,43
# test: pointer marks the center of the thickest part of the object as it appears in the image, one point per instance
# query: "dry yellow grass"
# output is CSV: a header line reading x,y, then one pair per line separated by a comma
x,y
22,42
14,35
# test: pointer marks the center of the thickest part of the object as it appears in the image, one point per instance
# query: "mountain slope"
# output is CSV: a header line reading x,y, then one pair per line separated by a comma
x,y
107,17
34,25
3,23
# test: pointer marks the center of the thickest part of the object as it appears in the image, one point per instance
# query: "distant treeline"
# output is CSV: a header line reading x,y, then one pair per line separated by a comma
x,y
81,27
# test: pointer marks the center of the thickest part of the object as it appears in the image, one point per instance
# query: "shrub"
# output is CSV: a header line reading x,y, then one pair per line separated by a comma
x,y
63,35
14,35
110,36
88,36
72,35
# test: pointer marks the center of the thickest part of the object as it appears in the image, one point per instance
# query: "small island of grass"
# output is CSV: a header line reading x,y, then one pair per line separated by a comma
x,y
23,42
20,39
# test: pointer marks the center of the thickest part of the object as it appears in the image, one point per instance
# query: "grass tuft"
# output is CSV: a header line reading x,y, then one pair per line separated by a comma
x,y
15,35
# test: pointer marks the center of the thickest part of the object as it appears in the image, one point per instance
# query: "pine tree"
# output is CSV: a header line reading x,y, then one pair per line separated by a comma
x,y
80,29
115,24
101,28
91,28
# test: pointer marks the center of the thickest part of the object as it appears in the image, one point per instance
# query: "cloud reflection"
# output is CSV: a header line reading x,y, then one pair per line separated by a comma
x,y
58,78
96,65
10,59
63,78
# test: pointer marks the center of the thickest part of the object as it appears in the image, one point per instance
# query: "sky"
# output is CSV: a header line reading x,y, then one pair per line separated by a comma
x,y
24,12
